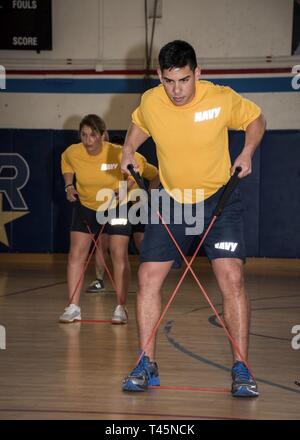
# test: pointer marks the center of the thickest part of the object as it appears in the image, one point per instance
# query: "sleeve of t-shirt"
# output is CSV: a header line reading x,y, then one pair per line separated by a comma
x,y
141,162
243,111
146,170
150,171
138,119
66,166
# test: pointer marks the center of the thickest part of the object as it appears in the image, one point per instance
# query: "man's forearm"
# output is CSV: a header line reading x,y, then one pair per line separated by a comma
x,y
134,138
254,134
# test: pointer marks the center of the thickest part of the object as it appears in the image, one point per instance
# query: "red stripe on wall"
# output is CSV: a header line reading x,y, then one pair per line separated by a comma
x,y
264,70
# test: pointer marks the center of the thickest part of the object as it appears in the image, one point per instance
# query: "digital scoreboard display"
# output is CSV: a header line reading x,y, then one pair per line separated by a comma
x,y
25,25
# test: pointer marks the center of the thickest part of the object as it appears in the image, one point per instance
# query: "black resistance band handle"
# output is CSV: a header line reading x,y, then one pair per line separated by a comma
x,y
231,185
136,177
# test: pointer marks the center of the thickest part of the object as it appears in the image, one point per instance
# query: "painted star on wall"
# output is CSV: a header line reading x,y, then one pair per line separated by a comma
x,y
7,217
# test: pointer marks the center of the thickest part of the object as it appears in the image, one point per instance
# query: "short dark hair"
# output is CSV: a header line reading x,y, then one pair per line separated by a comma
x,y
94,122
177,53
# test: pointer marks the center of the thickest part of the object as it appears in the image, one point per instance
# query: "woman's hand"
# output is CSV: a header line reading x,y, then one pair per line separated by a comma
x,y
71,193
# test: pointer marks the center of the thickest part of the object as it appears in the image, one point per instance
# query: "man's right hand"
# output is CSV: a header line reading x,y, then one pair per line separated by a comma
x,y
127,159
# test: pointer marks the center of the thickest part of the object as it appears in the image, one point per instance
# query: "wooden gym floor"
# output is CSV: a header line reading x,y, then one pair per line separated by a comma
x,y
74,371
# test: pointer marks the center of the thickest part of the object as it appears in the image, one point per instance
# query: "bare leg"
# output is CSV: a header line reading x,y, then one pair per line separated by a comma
x,y
79,248
118,246
230,276
101,255
151,277
138,238
99,266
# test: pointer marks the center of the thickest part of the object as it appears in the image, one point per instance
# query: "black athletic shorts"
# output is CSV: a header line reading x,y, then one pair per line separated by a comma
x,y
225,239
83,216
139,227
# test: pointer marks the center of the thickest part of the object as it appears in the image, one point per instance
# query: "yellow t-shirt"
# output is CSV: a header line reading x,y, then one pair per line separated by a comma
x,y
192,140
150,171
96,172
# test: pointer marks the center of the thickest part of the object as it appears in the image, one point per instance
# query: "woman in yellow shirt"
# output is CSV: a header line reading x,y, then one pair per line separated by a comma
x,y
96,165
150,172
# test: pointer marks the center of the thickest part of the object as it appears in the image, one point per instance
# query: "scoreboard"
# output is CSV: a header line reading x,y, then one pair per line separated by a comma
x,y
25,25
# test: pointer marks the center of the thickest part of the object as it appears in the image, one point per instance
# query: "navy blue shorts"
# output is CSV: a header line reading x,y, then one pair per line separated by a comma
x,y
82,215
224,240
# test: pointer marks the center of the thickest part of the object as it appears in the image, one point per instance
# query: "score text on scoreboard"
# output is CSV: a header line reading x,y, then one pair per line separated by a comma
x,y
25,25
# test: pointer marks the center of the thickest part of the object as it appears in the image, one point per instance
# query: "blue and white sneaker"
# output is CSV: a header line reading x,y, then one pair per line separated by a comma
x,y
243,384
143,375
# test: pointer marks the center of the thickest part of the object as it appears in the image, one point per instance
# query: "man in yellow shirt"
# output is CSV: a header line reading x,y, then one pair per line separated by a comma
x,y
189,120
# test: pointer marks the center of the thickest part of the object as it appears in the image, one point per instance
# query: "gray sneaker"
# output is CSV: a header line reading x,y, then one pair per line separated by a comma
x,y
120,315
96,286
72,313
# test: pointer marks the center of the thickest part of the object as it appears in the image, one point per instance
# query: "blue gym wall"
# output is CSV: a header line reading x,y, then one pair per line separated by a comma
x,y
271,194
43,96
